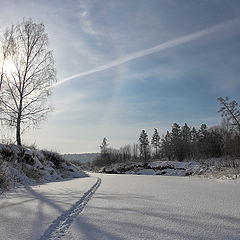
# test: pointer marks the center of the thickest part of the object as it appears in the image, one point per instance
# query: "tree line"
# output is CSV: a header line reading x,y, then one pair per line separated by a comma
x,y
182,142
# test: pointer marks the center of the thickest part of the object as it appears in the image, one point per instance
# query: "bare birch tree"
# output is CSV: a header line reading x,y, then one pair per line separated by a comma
x,y
5,42
26,76
230,110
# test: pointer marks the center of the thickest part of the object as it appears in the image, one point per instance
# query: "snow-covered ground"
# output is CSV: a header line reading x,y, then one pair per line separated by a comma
x,y
36,212
109,206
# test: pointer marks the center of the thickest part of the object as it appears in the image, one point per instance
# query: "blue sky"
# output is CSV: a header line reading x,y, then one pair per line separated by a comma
x,y
137,64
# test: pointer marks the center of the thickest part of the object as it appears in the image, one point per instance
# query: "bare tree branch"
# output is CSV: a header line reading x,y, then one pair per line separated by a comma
x,y
230,110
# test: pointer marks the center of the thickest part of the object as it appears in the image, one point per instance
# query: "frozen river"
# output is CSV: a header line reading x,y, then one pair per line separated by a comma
x,y
123,207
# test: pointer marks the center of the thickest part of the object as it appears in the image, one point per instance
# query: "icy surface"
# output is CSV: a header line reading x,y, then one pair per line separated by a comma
x,y
114,207
160,207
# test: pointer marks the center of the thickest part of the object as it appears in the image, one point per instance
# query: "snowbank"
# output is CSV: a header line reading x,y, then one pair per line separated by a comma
x,y
21,165
168,168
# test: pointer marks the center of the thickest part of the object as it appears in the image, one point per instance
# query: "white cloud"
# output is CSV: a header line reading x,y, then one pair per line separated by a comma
x,y
155,49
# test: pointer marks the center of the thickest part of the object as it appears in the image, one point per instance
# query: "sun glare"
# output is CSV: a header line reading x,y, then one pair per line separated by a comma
x,y
9,66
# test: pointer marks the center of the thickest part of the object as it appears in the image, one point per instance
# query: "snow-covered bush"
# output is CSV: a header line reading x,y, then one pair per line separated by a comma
x,y
6,152
22,165
169,168
4,176
54,157
31,172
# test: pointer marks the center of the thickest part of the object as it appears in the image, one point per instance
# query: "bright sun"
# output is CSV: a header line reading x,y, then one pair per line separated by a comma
x,y
9,66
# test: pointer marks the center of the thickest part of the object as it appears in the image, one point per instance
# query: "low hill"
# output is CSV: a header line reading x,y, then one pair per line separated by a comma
x,y
81,157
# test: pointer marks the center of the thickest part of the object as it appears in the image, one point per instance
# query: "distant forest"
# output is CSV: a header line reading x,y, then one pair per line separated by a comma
x,y
81,157
182,142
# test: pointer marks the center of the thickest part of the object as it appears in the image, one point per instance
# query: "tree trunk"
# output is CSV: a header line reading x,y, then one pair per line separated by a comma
x,y
18,131
18,127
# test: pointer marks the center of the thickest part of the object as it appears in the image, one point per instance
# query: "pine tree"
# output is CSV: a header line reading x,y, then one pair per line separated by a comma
x,y
144,146
105,156
203,144
194,142
186,140
104,146
167,149
156,141
177,142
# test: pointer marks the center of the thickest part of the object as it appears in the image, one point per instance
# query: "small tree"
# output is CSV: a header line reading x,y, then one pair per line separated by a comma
x,y
156,141
27,75
230,110
103,159
103,146
135,151
144,146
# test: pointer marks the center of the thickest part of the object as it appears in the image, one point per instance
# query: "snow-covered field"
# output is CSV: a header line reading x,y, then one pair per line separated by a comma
x,y
106,206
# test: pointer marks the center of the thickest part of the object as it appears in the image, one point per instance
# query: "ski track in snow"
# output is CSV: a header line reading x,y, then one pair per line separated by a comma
x,y
60,226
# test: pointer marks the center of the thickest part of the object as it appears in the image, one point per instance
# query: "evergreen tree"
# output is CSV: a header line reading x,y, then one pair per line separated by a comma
x,y
177,143
186,140
105,156
203,131
156,141
144,146
203,146
167,150
194,142
103,146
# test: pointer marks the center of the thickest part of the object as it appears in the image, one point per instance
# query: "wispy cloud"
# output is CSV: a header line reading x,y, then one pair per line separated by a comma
x,y
86,23
84,18
155,49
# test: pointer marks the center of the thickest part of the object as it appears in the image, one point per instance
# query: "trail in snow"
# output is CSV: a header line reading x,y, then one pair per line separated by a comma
x,y
59,227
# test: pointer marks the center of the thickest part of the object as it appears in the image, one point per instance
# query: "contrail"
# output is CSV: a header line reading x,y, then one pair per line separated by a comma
x,y
158,48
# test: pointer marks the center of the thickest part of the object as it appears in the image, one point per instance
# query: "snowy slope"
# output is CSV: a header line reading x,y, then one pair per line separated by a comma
x,y
22,165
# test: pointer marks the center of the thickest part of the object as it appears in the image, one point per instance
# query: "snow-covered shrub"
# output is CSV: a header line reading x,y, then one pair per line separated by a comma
x,y
6,152
54,157
4,175
22,165
32,172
